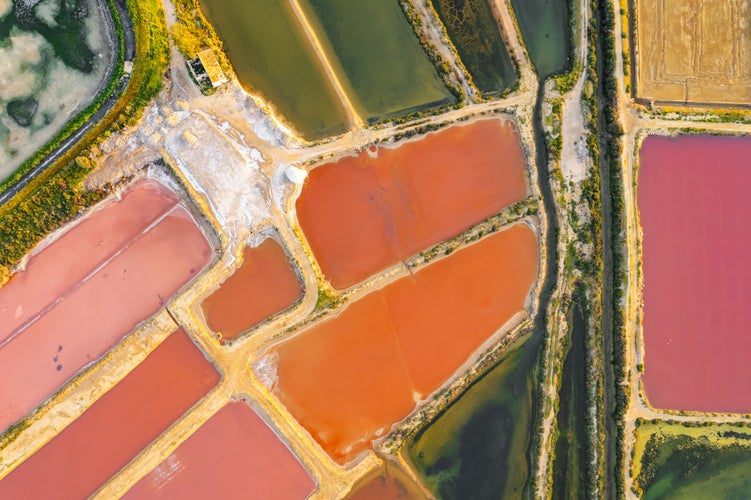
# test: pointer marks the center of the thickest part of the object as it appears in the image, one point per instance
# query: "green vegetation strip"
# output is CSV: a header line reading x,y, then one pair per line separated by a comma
x,y
56,196
610,134
192,32
691,460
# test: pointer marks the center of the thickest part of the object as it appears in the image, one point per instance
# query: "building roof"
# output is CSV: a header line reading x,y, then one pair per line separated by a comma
x,y
211,65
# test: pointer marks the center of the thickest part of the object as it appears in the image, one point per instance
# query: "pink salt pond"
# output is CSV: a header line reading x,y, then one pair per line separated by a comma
x,y
83,292
232,454
112,431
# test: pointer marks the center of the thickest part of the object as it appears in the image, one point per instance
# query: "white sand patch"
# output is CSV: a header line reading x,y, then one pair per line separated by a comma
x,y
46,10
574,154
66,91
17,77
225,172
265,370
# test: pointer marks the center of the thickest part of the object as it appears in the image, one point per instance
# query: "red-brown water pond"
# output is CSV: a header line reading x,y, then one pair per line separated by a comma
x,y
364,213
264,284
350,377
695,208
85,291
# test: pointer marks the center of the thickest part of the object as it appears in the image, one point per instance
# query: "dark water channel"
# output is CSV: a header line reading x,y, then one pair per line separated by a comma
x,y
570,453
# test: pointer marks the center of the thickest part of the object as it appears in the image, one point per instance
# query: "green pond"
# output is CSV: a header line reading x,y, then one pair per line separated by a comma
x,y
271,55
686,467
55,55
386,73
477,448
570,461
475,34
544,27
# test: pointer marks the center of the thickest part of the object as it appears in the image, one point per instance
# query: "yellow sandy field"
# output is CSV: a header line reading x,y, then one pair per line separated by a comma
x,y
694,51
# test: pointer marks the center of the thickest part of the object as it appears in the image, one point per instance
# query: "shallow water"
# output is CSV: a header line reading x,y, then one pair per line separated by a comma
x,y
544,27
477,448
476,36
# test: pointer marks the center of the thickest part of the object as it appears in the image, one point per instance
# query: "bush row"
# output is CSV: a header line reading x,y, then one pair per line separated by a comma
x,y
610,135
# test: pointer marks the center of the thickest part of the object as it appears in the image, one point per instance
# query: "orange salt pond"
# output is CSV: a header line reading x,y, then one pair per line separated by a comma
x,y
350,377
263,285
362,214
233,455
82,293
111,432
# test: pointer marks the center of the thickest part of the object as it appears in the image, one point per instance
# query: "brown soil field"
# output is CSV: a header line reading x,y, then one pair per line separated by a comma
x,y
694,51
